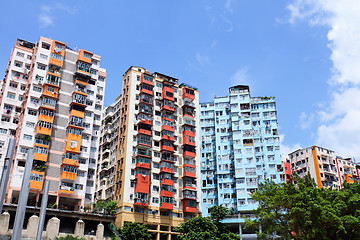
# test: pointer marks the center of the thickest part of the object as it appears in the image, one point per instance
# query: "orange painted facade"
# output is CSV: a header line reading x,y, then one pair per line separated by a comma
x,y
142,183
68,176
71,138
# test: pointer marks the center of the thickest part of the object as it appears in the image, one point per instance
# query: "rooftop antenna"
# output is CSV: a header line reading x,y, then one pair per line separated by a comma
x,y
75,48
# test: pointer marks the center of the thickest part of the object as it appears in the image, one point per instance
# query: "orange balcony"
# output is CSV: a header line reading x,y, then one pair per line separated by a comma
x,y
168,206
73,143
58,51
189,206
146,79
167,108
46,118
56,62
76,113
188,93
144,131
167,182
68,175
189,154
186,141
43,130
168,93
66,192
349,178
144,121
166,148
37,184
164,193
149,92
143,165
141,203
49,93
189,174
82,58
142,183
40,156
167,170
79,81
167,127
166,137
71,162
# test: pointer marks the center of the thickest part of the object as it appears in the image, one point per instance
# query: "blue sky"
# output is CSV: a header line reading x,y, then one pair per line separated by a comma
x,y
280,48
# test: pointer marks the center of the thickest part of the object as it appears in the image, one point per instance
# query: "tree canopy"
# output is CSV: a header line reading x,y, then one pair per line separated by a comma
x,y
207,228
300,210
103,206
134,231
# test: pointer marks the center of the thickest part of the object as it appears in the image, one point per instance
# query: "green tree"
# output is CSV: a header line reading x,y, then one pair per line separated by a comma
x,y
300,210
134,231
207,227
69,237
102,207
197,228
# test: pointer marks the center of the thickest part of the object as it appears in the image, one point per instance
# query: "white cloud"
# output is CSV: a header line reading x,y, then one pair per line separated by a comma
x,y
286,149
230,27
202,59
46,16
241,77
229,5
306,120
339,128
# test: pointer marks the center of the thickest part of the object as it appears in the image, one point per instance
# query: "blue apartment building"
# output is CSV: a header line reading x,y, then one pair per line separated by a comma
x,y
240,147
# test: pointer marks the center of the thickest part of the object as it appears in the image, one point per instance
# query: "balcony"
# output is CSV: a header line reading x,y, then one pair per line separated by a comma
x,y
189,206
36,180
189,172
43,130
70,162
40,156
189,185
166,148
52,80
142,183
143,153
189,163
66,189
166,167
188,154
143,162
68,175
168,158
147,91
189,104
42,142
167,137
144,131
188,94
169,182
141,202
169,108
166,206
164,193
187,194
147,79
168,93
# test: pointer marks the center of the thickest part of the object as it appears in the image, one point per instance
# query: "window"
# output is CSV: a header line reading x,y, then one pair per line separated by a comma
x,y
20,54
155,188
51,89
34,100
92,149
32,112
43,56
13,84
87,55
41,66
11,95
89,92
18,64
4,131
155,200
73,144
21,97
83,149
27,137
22,87
45,46
80,174
57,56
37,89
87,114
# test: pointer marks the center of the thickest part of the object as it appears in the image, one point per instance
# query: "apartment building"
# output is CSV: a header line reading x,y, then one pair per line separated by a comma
x,y
157,172
327,169
105,177
51,101
239,148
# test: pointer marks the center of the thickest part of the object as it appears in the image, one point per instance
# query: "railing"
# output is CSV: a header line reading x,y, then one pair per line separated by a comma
x,y
144,142
40,141
189,184
68,188
189,195
191,162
